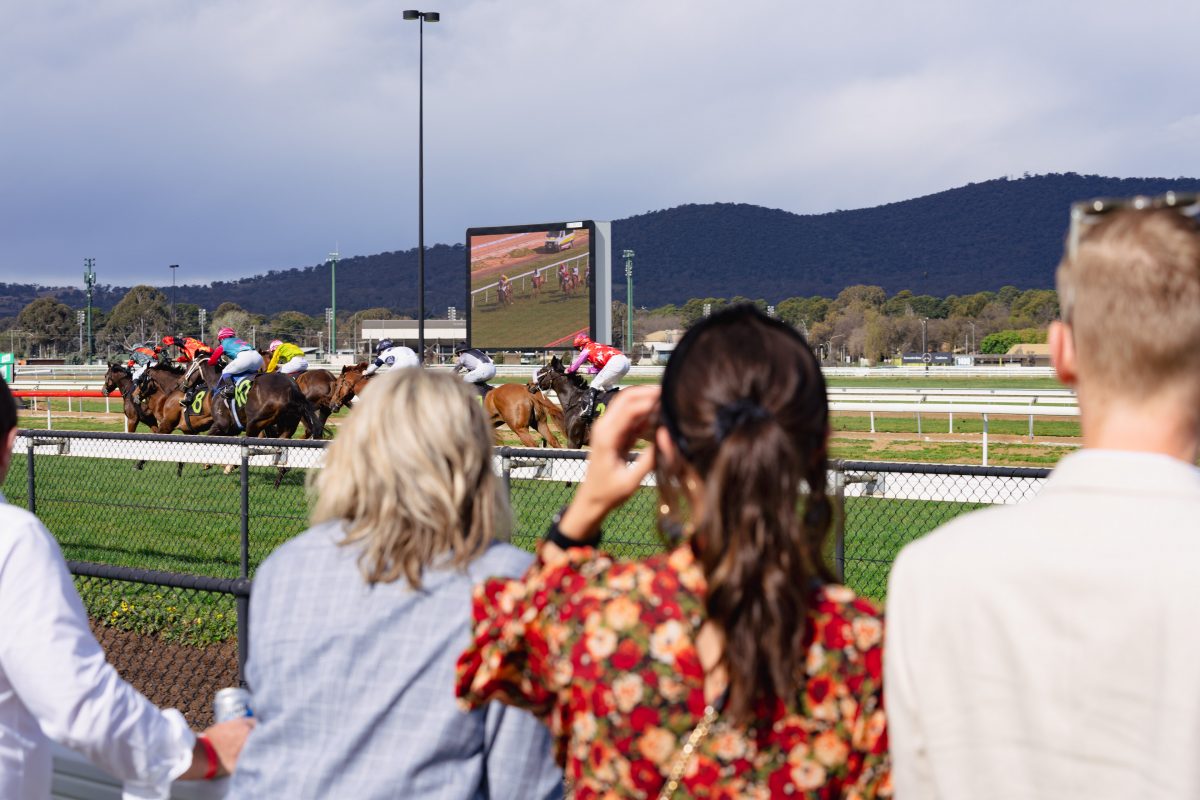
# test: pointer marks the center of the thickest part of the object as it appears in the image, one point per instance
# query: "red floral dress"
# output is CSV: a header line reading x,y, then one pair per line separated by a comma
x,y
604,651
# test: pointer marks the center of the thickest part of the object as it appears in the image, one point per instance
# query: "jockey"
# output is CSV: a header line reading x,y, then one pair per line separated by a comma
x,y
608,362
389,356
189,349
287,358
142,358
243,359
503,287
477,364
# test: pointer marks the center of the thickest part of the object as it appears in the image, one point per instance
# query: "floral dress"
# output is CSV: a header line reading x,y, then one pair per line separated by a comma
x,y
604,651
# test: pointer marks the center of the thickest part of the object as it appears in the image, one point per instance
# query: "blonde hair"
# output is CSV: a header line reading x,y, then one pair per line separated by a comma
x,y
410,476
1131,295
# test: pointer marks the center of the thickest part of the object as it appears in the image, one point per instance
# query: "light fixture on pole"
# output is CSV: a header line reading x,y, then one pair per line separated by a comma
x,y
80,316
422,17
628,256
173,267
202,314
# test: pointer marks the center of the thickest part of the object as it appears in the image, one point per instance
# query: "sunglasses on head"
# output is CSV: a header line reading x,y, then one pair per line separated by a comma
x,y
1087,213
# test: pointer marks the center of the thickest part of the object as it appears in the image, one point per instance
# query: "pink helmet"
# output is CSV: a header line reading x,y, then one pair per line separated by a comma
x,y
582,340
226,333
274,345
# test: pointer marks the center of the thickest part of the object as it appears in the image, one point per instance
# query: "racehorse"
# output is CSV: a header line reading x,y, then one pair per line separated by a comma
x,y
521,408
571,390
317,386
349,383
164,395
274,405
539,280
505,290
118,378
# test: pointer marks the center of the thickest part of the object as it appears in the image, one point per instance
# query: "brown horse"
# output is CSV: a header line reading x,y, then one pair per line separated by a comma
x,y
317,386
349,383
522,408
539,280
572,390
119,379
163,395
274,406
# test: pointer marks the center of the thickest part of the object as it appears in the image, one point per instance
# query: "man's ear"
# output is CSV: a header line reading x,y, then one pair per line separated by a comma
x,y
6,453
1062,352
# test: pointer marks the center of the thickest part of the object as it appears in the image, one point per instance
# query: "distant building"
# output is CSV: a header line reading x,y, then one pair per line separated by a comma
x,y
440,334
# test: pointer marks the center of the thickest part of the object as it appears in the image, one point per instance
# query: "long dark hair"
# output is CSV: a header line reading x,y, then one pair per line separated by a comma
x,y
743,399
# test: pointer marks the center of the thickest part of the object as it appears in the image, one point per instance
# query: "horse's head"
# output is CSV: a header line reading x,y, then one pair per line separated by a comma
x,y
347,383
112,378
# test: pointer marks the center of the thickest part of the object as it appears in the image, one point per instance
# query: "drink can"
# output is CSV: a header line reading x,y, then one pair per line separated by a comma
x,y
231,703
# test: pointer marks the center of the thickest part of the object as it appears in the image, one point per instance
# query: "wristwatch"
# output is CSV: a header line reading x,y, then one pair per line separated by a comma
x,y
555,535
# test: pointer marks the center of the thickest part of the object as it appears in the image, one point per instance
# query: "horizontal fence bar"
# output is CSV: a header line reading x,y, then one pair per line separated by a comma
x,y
913,468
239,587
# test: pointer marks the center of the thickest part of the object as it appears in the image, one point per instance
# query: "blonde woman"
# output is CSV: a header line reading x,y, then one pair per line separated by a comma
x,y
357,622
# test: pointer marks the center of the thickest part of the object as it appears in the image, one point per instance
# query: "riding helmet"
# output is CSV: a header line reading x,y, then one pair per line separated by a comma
x,y
582,340
274,345
384,344
226,333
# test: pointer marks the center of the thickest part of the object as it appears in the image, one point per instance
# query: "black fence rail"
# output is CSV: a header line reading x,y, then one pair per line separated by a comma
x,y
164,533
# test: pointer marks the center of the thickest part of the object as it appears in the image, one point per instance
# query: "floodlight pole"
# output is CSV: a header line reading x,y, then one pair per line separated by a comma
x,y
89,281
422,17
628,256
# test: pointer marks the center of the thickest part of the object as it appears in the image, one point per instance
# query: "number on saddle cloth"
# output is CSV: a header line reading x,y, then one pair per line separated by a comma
x,y
198,401
242,390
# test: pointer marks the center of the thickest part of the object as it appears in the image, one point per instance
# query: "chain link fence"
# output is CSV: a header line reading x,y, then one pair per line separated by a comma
x,y
164,533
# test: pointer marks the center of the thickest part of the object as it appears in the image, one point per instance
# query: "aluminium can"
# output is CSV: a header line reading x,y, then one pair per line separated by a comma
x,y
231,703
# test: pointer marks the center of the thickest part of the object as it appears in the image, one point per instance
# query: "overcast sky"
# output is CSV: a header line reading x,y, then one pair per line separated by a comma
x,y
233,137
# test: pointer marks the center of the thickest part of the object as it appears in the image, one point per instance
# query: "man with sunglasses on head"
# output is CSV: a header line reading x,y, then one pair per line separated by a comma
x,y
1048,649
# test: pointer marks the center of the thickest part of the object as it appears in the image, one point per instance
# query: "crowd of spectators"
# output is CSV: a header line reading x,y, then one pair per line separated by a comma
x,y
1031,651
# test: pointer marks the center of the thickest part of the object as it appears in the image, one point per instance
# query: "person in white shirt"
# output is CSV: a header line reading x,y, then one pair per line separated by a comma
x,y
55,683
477,366
1049,649
391,356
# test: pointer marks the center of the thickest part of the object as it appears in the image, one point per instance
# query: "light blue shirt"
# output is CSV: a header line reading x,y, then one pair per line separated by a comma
x,y
354,685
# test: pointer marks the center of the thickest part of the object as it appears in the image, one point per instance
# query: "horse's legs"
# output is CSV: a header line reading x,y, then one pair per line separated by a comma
x,y
547,432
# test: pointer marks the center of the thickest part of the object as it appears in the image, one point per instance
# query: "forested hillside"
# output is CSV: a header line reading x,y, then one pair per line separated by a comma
x,y
977,237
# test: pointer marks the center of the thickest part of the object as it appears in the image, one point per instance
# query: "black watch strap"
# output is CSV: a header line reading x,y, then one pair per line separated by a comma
x,y
555,535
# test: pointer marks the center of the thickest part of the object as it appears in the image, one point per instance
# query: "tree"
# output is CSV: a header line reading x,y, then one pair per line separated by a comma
x,y
861,295
1035,306
291,325
50,325
142,315
999,343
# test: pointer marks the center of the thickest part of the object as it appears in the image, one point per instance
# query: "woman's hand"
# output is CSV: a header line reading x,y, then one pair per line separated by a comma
x,y
610,479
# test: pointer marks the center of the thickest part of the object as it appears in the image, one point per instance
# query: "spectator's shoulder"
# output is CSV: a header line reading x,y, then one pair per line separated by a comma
x,y
843,602
500,561
301,548
18,526
967,537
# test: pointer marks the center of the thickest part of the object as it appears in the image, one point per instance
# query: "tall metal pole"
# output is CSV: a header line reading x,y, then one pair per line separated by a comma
x,y
422,17
173,267
333,259
421,196
89,280
628,256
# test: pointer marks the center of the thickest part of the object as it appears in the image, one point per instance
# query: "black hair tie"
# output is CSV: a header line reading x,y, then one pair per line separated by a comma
x,y
740,412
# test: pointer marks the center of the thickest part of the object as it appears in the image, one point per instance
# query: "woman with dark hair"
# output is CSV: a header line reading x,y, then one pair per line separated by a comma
x,y
731,665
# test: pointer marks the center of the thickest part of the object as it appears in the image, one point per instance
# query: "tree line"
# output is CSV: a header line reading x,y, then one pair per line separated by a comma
x,y
864,322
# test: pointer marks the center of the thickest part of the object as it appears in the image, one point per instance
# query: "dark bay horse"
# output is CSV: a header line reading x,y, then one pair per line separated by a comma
x,y
515,405
274,406
118,378
571,390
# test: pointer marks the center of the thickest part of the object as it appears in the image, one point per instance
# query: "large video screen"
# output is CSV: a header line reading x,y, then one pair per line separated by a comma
x,y
530,286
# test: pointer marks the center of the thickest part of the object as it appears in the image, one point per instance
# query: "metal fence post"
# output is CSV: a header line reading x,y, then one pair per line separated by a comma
x,y
985,440
29,473
839,542
506,471
243,603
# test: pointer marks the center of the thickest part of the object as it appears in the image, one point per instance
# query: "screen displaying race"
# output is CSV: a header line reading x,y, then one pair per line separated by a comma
x,y
529,289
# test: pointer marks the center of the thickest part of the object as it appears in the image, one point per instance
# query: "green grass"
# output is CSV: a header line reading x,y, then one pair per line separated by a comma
x,y
938,422
999,455
884,380
530,321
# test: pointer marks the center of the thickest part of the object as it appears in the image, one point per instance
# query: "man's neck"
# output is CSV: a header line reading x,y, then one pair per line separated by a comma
x,y
1157,425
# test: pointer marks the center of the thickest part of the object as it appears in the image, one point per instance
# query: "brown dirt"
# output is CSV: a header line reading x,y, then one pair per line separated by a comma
x,y
172,675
